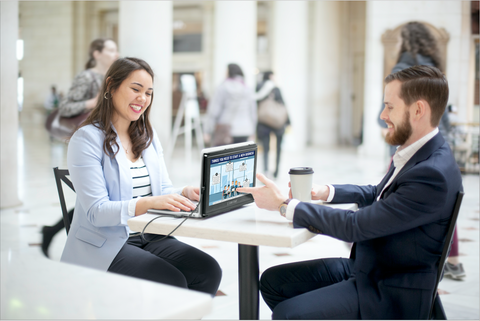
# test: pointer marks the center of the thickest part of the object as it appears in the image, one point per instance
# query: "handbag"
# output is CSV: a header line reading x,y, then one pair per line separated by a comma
x,y
272,113
222,135
63,127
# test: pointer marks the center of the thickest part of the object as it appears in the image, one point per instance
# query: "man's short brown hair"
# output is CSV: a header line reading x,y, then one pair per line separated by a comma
x,y
423,82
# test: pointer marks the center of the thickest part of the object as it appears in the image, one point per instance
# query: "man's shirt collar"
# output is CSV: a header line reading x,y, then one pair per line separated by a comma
x,y
401,157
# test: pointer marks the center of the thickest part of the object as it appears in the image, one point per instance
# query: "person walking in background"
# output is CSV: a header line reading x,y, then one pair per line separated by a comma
x,y
264,89
116,164
419,47
83,94
81,98
232,112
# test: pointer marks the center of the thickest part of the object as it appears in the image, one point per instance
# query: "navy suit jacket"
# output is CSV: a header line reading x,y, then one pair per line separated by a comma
x,y
398,239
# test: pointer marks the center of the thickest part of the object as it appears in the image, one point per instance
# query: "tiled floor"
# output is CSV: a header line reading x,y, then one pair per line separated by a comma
x,y
20,226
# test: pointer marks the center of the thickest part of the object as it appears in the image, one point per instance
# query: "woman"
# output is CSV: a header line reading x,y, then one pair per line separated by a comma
x,y
265,89
81,98
83,94
232,112
116,164
419,47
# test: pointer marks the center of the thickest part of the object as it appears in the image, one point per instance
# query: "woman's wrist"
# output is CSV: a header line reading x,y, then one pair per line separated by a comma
x,y
184,193
143,204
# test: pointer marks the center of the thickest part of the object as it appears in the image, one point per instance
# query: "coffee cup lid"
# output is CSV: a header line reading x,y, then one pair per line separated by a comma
x,y
300,171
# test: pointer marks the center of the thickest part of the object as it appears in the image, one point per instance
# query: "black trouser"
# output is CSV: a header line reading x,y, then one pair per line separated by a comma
x,y
61,224
239,139
263,132
170,262
317,289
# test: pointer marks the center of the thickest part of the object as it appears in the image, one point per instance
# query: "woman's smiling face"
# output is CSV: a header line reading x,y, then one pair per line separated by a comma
x,y
133,97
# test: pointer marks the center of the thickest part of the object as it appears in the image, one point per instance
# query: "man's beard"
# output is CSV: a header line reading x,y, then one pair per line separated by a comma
x,y
401,133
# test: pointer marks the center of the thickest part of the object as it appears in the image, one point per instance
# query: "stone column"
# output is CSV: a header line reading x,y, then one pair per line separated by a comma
x,y
373,142
235,34
145,31
9,107
326,73
290,65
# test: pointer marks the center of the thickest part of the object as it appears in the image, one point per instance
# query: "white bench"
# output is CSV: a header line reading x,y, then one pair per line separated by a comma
x,y
34,287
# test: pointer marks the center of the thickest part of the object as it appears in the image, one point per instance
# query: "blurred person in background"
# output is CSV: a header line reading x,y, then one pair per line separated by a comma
x,y
83,94
82,97
264,89
419,47
52,100
232,111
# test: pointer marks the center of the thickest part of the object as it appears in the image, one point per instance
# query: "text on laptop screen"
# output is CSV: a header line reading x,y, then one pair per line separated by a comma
x,y
227,173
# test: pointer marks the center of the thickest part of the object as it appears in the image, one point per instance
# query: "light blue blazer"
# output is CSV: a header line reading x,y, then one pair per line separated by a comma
x,y
104,189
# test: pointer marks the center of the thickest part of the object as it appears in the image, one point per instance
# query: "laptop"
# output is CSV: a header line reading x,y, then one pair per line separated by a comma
x,y
223,170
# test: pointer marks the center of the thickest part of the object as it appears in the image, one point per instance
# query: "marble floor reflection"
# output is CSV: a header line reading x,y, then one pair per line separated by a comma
x,y
37,155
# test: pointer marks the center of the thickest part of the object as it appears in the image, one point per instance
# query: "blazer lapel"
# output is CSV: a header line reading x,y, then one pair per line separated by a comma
x,y
150,158
125,176
385,180
423,153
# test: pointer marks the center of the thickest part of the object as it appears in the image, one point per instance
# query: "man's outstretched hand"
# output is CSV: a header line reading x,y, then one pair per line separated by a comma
x,y
268,197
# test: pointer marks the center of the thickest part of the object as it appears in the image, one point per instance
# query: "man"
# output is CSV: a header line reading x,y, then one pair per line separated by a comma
x,y
224,192
398,230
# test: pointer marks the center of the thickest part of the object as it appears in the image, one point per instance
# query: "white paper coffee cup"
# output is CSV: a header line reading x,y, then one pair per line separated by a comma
x,y
301,183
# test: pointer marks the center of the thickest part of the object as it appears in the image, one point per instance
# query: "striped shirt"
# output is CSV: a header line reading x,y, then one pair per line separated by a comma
x,y
140,182
140,179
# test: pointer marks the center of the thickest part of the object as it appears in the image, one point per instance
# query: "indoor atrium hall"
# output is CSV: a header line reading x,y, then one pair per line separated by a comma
x,y
326,69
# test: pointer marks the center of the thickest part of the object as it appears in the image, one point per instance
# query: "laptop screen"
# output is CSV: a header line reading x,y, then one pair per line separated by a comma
x,y
226,168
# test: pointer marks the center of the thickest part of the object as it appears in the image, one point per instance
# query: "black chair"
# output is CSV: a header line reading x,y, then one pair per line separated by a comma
x,y
61,175
436,310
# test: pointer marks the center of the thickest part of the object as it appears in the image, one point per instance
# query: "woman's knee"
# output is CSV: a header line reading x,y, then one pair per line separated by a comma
x,y
212,274
166,274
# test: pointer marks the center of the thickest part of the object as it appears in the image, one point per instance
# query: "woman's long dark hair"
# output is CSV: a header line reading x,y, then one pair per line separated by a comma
x,y
95,45
417,39
266,75
140,131
234,70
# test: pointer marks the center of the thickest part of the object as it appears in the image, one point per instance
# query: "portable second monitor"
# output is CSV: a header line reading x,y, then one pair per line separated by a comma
x,y
223,170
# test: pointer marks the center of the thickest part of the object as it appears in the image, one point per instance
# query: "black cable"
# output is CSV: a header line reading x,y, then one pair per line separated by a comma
x,y
142,234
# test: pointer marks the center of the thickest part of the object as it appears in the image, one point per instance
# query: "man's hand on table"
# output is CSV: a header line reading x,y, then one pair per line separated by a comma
x,y
268,197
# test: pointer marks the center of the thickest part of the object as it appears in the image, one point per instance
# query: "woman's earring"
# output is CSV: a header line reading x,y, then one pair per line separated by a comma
x,y
105,95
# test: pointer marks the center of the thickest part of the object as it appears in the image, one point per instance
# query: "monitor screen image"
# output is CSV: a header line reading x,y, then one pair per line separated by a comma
x,y
227,173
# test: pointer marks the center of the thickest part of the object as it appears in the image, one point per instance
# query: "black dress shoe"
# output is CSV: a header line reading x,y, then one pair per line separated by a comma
x,y
48,234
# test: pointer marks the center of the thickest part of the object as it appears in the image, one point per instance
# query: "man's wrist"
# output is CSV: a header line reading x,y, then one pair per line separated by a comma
x,y
282,208
331,192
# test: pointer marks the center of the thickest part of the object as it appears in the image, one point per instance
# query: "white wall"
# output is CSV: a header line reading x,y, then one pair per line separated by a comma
x,y
47,30
383,15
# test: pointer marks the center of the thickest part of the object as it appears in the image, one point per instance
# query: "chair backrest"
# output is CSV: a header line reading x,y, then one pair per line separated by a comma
x,y
61,175
446,248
